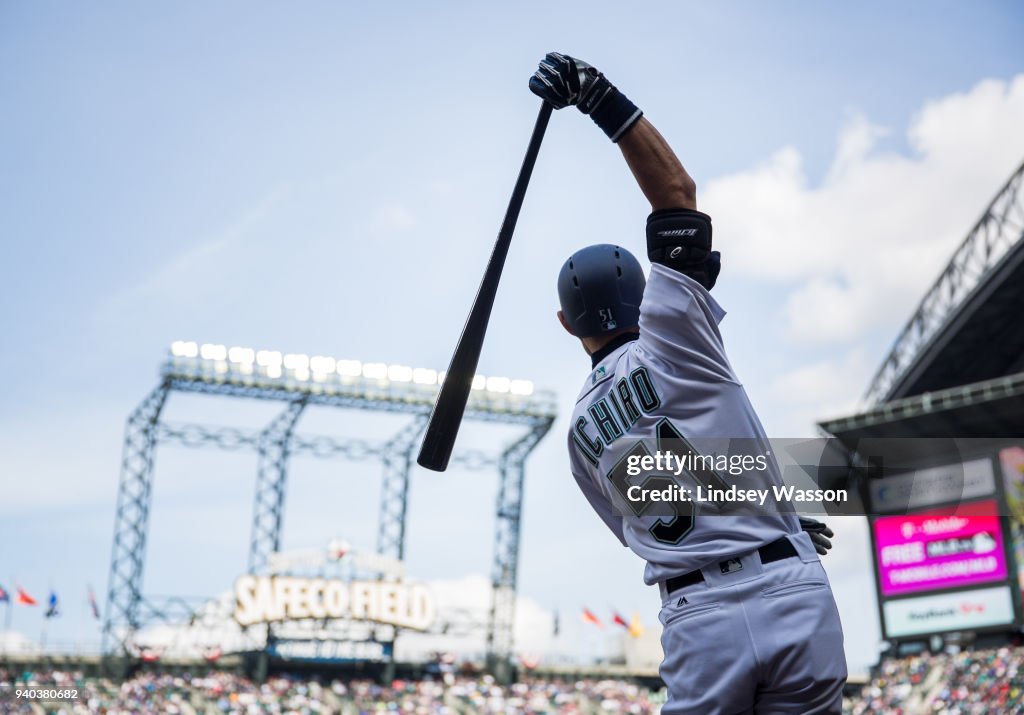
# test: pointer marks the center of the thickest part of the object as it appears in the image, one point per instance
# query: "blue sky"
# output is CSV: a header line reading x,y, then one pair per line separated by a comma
x,y
329,179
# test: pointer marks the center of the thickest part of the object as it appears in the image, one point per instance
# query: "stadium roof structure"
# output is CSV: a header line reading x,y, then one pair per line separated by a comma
x,y
969,327
988,409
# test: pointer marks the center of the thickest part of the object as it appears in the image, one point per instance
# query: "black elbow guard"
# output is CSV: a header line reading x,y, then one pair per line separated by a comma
x,y
680,239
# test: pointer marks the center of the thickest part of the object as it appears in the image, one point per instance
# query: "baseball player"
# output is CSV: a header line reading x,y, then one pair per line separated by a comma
x,y
750,623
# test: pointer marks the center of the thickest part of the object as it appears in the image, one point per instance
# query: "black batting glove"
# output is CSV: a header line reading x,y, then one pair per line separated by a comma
x,y
820,534
562,81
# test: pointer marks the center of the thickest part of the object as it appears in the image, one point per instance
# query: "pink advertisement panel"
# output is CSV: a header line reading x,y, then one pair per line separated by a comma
x,y
936,550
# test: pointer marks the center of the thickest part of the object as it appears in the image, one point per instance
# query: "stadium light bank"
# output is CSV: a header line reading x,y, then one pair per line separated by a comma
x,y
298,372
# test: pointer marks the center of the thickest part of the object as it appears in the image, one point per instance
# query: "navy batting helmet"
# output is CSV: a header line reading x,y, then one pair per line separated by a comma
x,y
600,288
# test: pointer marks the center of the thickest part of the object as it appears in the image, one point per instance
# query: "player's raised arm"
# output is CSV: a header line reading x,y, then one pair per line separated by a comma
x,y
678,236
658,171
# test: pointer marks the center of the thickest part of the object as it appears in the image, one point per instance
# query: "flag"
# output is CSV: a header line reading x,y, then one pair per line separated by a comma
x,y
589,617
150,654
4,596
93,605
24,599
212,653
636,628
616,618
51,606
529,661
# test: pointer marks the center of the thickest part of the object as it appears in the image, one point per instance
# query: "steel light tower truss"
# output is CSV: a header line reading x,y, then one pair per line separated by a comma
x,y
299,382
271,477
505,570
998,230
132,517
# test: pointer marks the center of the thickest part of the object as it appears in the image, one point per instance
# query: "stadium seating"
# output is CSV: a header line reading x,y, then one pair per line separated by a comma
x,y
222,693
977,682
972,682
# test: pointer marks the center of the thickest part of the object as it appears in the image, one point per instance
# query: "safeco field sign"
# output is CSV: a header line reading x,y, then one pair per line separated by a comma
x,y
261,599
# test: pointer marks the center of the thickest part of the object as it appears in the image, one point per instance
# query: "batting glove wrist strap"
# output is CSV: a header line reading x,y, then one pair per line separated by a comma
x,y
610,109
680,239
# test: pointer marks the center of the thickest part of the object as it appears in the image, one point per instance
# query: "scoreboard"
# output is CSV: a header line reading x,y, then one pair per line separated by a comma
x,y
944,550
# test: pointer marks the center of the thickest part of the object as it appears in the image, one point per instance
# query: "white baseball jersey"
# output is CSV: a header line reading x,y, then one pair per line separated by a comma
x,y
673,382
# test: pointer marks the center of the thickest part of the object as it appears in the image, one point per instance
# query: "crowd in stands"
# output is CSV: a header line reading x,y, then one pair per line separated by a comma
x,y
971,682
225,693
144,693
893,684
990,681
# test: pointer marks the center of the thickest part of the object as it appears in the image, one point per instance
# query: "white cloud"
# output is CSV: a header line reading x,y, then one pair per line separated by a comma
x,y
801,396
826,382
856,253
856,141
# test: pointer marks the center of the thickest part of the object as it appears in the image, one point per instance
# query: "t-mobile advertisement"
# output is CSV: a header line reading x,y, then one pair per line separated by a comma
x,y
935,550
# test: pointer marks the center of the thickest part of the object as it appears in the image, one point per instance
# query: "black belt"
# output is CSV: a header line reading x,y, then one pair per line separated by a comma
x,y
778,550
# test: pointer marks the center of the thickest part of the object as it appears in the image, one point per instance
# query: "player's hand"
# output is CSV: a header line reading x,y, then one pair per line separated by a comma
x,y
819,532
562,81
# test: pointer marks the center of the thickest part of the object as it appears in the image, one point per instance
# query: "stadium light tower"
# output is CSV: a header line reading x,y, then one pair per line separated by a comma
x,y
299,380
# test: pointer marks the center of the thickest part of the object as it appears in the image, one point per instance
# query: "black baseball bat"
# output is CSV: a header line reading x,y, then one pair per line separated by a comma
x,y
451,399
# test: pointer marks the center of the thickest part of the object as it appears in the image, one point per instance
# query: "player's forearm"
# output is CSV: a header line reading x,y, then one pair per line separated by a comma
x,y
658,171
